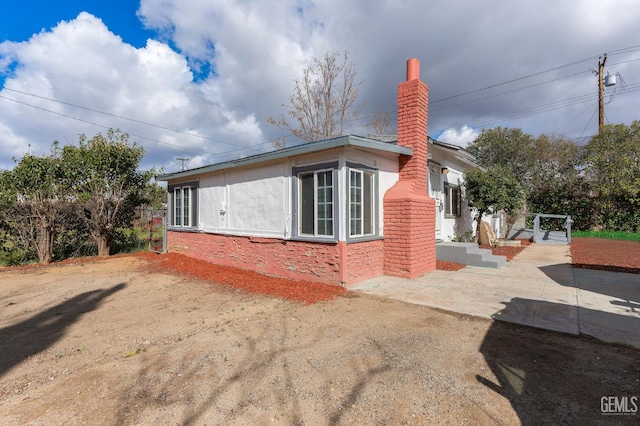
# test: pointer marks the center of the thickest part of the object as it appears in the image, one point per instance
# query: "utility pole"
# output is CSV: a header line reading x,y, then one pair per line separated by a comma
x,y
182,162
601,62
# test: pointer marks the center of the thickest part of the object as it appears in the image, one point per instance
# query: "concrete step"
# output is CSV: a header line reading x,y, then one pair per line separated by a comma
x,y
468,254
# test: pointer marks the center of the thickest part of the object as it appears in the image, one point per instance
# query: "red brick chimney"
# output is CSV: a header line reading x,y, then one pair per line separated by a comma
x,y
409,212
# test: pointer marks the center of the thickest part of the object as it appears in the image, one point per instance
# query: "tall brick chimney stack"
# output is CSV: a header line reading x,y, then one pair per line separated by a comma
x,y
409,212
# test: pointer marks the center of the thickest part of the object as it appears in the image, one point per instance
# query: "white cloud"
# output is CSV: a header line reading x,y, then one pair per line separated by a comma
x,y
82,63
255,49
460,137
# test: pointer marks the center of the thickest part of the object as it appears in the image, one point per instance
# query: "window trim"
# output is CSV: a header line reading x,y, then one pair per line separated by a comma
x,y
193,204
375,204
296,228
448,207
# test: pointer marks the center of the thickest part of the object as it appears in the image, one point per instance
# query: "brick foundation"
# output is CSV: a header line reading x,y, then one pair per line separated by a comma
x,y
364,261
291,259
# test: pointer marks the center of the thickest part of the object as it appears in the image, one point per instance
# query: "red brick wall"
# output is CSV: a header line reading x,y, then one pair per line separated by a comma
x,y
291,259
409,229
412,131
364,260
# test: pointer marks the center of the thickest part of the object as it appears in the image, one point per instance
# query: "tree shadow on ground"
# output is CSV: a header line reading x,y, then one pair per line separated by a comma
x,y
232,383
613,320
619,284
204,379
554,378
34,335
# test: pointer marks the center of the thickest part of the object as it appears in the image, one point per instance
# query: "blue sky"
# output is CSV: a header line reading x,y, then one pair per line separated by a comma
x,y
71,67
19,20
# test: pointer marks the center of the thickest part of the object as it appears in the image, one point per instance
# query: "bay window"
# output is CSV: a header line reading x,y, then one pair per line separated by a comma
x,y
361,205
317,192
316,205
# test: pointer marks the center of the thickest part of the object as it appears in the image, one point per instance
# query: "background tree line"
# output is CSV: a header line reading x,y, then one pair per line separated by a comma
x,y
598,183
78,196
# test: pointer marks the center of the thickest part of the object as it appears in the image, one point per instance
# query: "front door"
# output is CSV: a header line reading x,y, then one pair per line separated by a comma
x,y
435,190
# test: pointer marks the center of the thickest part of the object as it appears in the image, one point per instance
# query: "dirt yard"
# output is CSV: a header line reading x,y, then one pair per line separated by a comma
x,y
123,341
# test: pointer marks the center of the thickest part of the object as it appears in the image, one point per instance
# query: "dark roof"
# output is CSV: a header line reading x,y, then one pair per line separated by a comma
x,y
385,138
461,153
307,148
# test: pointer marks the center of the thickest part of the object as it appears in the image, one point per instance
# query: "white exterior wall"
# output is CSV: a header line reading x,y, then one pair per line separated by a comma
x,y
452,226
257,201
249,202
212,200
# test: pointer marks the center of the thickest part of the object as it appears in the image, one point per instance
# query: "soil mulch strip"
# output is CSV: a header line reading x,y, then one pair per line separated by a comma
x,y
509,252
442,265
606,255
306,292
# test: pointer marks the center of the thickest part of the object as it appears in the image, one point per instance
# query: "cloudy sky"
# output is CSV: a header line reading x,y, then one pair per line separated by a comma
x,y
199,79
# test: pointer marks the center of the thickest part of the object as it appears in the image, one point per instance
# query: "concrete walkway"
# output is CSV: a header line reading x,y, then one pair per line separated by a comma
x,y
538,288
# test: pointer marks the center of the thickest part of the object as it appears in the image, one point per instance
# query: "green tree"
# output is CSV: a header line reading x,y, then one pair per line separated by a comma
x,y
549,168
558,184
492,190
508,148
613,168
33,205
155,196
102,177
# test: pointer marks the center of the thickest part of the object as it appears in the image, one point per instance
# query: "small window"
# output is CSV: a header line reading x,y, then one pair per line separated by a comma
x,y
453,200
361,203
183,206
316,203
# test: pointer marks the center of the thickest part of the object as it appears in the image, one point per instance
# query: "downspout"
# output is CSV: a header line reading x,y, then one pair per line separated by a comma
x,y
342,262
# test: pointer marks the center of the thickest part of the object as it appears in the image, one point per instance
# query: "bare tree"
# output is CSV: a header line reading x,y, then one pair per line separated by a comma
x,y
380,123
323,101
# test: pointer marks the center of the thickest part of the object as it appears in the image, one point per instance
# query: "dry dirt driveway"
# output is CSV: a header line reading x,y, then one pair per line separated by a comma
x,y
108,342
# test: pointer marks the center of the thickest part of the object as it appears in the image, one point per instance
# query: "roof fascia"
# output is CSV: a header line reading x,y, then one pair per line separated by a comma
x,y
303,149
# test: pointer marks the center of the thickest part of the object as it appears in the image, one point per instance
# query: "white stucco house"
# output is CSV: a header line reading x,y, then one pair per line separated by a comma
x,y
447,164
340,211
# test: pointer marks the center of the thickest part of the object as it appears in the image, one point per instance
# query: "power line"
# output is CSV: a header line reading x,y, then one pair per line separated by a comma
x,y
507,92
614,52
513,80
575,117
353,122
190,149
541,108
122,117
589,122
91,122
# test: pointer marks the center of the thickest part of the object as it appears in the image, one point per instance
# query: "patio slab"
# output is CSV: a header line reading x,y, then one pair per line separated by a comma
x,y
538,288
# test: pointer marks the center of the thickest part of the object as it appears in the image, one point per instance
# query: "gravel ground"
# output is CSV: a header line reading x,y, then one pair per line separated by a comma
x,y
112,342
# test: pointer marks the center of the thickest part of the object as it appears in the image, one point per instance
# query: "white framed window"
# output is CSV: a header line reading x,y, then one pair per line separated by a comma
x,y
316,205
183,201
361,203
453,200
